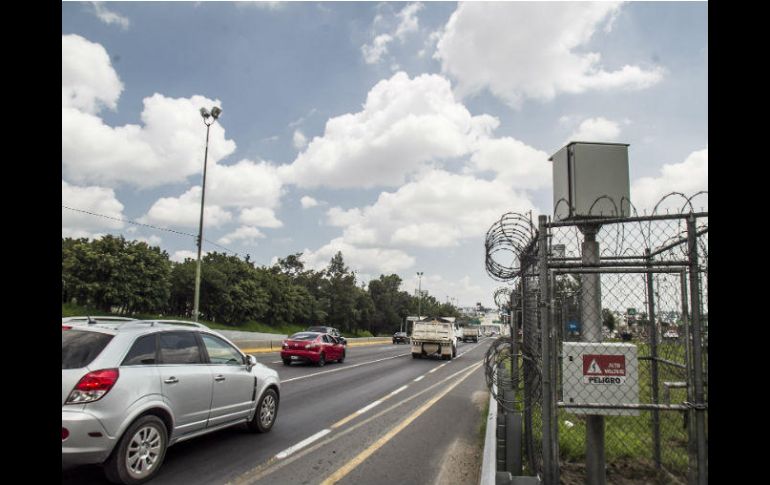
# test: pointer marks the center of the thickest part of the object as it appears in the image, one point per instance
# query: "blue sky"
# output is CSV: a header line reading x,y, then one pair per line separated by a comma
x,y
394,132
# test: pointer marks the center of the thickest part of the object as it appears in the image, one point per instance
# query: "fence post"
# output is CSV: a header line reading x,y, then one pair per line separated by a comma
x,y
513,420
653,362
545,336
555,348
700,418
591,316
527,339
692,453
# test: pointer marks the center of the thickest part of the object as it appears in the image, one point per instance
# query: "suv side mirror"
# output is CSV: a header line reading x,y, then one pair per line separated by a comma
x,y
251,361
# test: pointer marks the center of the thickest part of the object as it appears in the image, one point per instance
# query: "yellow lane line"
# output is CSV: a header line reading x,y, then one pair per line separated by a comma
x,y
361,457
273,464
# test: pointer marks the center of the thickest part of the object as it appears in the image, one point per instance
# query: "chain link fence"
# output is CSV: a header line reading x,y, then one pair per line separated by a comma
x,y
638,285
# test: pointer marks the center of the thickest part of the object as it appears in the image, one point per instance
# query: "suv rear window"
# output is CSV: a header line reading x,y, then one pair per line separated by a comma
x,y
79,348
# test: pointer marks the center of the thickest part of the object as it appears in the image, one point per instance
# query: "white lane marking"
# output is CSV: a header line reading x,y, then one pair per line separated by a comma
x,y
293,449
397,390
340,369
419,379
366,408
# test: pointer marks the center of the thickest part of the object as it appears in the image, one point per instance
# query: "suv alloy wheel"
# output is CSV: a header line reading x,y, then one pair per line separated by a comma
x,y
139,453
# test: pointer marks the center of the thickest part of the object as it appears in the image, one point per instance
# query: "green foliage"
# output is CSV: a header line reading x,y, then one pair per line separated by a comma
x,y
112,275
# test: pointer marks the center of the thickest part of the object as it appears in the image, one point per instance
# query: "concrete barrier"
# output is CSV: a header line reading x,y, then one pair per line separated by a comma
x,y
262,346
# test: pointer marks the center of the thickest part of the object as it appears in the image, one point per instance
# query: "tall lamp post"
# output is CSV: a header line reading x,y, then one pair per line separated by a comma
x,y
419,295
208,119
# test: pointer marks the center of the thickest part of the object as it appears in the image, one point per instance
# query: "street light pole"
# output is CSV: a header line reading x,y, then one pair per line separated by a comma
x,y
419,295
208,120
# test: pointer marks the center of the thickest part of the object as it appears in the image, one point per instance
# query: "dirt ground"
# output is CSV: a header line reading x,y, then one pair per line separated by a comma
x,y
620,472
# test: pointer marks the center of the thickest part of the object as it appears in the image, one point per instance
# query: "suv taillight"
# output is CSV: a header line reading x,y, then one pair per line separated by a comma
x,y
93,386
64,433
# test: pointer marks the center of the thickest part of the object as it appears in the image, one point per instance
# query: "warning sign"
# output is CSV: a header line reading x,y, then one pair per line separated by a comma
x,y
604,369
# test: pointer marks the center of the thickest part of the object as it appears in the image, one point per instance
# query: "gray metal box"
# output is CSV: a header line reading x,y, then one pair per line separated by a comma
x,y
590,180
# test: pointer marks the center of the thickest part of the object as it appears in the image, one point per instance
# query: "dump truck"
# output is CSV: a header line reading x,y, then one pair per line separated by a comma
x,y
471,334
434,337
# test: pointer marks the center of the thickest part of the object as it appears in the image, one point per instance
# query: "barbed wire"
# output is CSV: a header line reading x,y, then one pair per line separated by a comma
x,y
502,297
510,236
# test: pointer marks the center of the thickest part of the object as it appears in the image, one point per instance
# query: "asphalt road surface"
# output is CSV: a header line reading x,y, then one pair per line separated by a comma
x,y
381,417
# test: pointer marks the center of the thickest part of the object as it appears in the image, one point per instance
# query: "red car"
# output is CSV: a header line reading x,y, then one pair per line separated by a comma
x,y
314,347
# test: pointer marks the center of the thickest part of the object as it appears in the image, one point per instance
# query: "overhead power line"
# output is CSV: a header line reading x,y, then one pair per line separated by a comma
x,y
128,221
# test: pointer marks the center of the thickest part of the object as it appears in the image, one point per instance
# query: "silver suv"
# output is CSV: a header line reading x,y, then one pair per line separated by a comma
x,y
132,389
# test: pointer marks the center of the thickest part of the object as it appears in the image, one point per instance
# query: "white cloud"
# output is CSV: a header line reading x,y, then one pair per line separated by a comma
x,y
373,53
88,81
688,178
250,186
97,200
184,211
244,184
263,5
244,235
109,17
260,216
168,148
430,41
515,163
378,260
299,139
404,125
596,129
150,240
180,256
409,21
302,119
308,202
438,209
520,50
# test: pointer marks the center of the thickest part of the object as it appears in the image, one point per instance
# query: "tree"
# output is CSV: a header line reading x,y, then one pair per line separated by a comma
x,y
339,294
608,319
110,272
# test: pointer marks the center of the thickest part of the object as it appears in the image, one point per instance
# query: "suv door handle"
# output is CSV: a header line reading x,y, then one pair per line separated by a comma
x,y
171,380
220,377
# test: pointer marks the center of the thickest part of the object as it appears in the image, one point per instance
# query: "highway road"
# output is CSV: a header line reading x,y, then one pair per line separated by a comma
x,y
381,417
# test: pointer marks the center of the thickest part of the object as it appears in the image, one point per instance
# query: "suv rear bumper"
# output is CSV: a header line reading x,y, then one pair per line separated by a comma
x,y
88,442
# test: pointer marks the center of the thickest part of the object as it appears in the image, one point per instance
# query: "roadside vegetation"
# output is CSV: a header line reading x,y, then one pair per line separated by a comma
x,y
115,276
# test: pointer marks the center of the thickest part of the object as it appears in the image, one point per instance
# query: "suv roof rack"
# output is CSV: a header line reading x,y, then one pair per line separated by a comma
x,y
173,322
